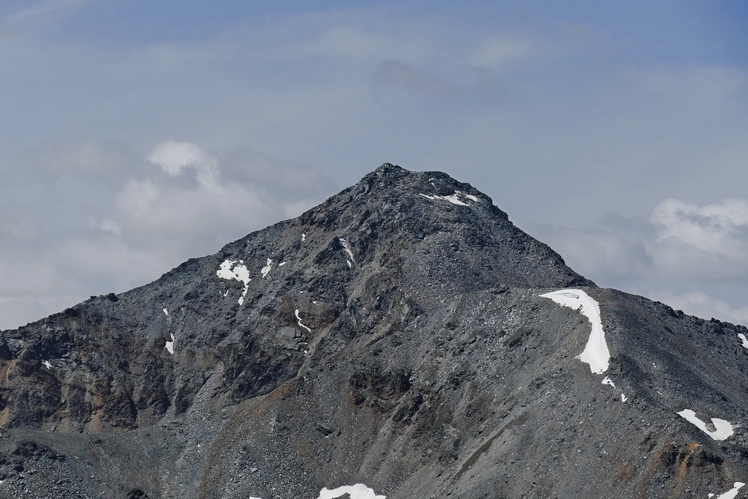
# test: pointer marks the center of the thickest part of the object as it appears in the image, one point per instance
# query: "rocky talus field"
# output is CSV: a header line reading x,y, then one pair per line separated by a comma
x,y
402,340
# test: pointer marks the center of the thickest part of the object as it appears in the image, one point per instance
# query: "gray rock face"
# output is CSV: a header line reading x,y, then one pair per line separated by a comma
x,y
393,336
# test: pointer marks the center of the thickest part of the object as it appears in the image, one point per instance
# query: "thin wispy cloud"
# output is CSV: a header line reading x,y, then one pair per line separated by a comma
x,y
495,51
28,18
393,73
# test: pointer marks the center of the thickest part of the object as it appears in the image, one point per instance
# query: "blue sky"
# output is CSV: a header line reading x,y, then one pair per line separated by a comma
x,y
613,131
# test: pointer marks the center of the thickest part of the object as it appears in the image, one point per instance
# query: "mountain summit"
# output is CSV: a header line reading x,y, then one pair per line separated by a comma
x,y
404,340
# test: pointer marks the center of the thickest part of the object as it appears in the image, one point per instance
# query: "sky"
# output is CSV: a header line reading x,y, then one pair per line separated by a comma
x,y
137,134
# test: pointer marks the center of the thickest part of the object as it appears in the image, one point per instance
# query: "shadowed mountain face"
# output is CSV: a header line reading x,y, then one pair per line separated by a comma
x,y
394,336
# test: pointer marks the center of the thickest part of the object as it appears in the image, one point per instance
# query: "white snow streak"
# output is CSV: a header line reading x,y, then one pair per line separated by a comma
x,y
266,269
596,352
299,319
166,312
303,236
624,398
47,364
170,344
743,339
358,491
608,381
722,428
347,248
732,493
452,198
281,264
231,269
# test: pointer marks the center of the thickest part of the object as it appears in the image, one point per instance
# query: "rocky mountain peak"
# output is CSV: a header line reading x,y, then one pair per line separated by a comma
x,y
405,335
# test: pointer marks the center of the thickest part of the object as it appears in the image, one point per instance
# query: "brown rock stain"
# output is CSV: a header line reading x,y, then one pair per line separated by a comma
x,y
685,457
677,464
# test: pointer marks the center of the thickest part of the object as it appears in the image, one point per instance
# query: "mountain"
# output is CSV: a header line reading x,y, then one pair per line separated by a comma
x,y
402,339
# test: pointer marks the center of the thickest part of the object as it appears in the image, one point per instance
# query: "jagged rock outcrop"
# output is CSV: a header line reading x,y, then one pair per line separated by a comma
x,y
395,336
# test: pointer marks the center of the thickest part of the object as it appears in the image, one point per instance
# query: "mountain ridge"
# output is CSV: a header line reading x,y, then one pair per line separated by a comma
x,y
395,335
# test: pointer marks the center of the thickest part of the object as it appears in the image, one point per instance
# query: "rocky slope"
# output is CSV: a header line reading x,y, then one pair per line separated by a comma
x,y
393,336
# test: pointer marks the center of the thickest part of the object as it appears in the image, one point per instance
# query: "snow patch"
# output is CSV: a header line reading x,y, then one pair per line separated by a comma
x,y
732,493
358,491
170,345
47,364
166,312
300,323
471,197
266,269
743,339
452,198
624,398
303,236
722,428
608,381
347,248
236,270
596,352
281,264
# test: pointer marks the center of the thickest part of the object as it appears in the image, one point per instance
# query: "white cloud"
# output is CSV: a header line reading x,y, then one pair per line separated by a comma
x,y
173,157
100,219
701,304
611,250
495,51
105,225
157,208
707,241
137,199
698,253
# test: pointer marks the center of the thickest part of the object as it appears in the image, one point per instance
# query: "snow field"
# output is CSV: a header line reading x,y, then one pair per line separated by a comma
x,y
596,352
358,491
452,198
743,339
722,429
170,345
732,493
235,270
266,269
